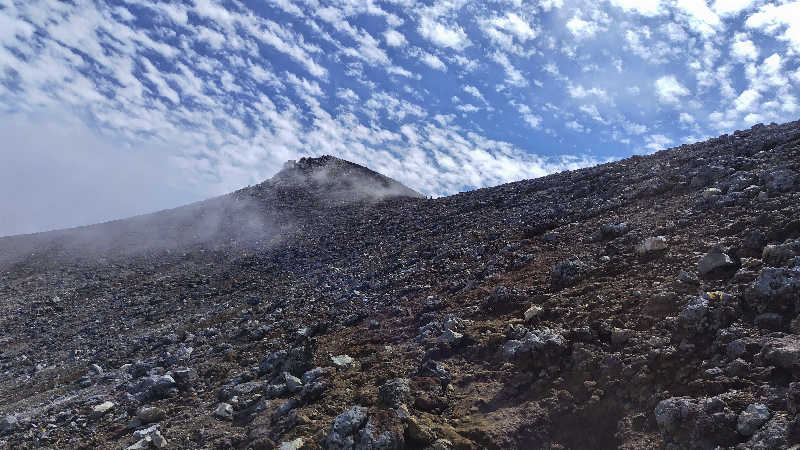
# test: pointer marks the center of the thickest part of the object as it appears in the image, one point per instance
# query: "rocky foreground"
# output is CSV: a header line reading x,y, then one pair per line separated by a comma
x,y
648,303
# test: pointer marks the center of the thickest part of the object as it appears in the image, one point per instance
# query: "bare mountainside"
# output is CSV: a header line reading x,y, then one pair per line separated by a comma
x,y
647,303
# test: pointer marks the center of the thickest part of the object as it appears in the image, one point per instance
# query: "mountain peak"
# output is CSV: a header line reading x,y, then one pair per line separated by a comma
x,y
338,179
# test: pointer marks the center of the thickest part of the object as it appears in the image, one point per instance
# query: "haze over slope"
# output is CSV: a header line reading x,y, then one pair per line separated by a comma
x,y
650,303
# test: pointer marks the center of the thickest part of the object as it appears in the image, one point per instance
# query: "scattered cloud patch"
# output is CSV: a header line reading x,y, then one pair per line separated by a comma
x,y
669,90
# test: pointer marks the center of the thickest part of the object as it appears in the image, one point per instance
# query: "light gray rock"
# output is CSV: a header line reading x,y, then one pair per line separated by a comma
x,y
672,412
149,414
342,361
568,272
715,259
293,384
345,426
395,392
102,409
652,244
450,337
296,444
752,418
537,346
224,411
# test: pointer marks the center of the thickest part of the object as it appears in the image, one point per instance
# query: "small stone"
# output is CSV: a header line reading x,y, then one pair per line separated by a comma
x,y
97,369
711,193
157,440
342,361
296,444
293,384
149,414
652,244
442,444
224,411
142,444
101,409
450,336
752,418
145,433
532,312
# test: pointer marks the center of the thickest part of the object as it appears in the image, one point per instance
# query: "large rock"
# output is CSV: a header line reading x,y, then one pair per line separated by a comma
x,y
782,352
715,260
568,272
395,392
296,361
708,312
780,255
539,347
752,418
776,289
342,435
652,245
154,387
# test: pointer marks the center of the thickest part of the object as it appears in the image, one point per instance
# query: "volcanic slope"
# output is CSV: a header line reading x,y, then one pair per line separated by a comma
x,y
647,303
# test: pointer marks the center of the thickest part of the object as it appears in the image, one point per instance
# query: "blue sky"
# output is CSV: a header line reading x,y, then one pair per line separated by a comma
x,y
145,105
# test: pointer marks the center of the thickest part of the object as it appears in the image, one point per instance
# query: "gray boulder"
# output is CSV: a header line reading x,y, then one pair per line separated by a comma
x,y
539,347
568,272
342,433
395,392
752,418
672,412
782,352
715,260
776,289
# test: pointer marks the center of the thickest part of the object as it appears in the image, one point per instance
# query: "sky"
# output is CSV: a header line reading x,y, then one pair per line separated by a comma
x,y
115,108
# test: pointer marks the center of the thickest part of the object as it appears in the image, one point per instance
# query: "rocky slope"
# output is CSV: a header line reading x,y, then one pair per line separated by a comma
x,y
647,303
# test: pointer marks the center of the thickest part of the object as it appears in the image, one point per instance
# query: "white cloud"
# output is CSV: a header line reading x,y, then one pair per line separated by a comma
x,y
686,118
700,17
731,7
513,76
504,31
657,142
473,91
347,95
467,108
579,92
647,8
743,49
591,111
443,36
669,90
575,126
747,101
394,38
634,128
772,19
582,29
433,62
